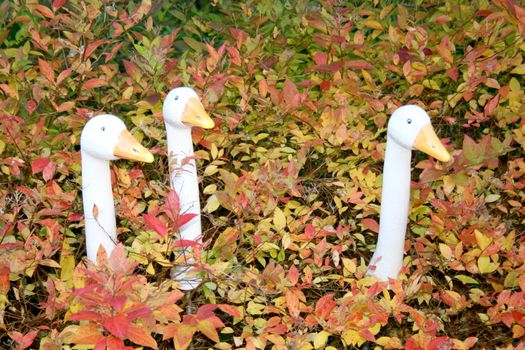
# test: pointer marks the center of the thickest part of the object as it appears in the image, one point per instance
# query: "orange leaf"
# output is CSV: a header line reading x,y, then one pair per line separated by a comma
x,y
94,83
324,306
87,334
45,11
140,336
46,70
371,224
63,75
66,106
231,310
4,279
207,328
292,302
182,335
293,275
9,91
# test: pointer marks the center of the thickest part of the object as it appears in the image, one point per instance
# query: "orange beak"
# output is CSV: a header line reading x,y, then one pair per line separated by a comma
x,y
128,147
195,115
428,142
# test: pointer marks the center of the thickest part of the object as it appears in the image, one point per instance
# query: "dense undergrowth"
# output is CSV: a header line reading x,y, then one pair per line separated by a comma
x,y
291,175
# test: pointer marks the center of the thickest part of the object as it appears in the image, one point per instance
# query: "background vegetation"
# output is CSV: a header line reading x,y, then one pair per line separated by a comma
x,y
291,175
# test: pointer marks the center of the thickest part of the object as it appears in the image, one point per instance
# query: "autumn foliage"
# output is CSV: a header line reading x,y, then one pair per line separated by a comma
x,y
300,93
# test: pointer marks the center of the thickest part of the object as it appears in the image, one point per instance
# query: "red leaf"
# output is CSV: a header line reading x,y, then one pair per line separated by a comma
x,y
117,325
140,336
23,341
155,224
46,70
49,171
234,55
358,64
491,105
113,52
58,4
39,165
86,316
94,83
184,218
320,58
173,204
31,106
329,67
185,243
92,47
231,310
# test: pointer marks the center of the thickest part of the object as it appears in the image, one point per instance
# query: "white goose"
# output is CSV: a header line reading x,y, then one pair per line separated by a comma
x,y
182,110
409,127
104,138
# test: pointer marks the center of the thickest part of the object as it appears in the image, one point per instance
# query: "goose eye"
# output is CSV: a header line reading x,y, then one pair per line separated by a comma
x,y
409,121
103,128
176,98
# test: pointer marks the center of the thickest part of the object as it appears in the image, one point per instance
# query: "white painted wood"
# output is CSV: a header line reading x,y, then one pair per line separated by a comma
x,y
408,127
182,110
103,138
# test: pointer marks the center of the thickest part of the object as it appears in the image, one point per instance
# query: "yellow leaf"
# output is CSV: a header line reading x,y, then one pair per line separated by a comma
x,y
492,198
485,265
67,266
370,23
320,339
254,308
519,69
210,170
349,265
352,337
514,84
212,204
214,151
445,250
390,342
483,240
126,95
279,219
210,189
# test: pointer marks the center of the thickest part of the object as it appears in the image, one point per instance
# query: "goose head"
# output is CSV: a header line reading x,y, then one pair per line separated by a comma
x,y
182,108
410,127
106,137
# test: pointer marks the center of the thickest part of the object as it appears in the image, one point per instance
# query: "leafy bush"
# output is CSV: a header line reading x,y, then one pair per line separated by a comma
x,y
291,176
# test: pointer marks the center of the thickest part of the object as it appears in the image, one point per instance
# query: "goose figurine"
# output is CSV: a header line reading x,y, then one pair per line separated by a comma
x,y
104,138
409,128
182,110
